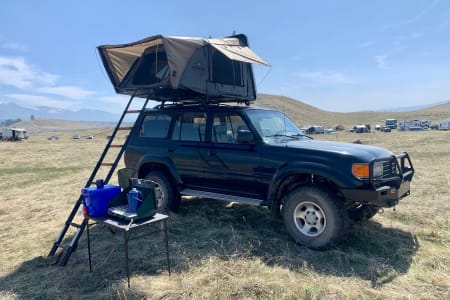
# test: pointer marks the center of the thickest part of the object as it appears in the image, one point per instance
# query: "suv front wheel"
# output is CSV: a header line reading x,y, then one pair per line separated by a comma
x,y
165,192
313,217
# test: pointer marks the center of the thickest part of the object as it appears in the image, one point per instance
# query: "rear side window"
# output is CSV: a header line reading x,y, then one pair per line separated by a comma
x,y
156,126
190,127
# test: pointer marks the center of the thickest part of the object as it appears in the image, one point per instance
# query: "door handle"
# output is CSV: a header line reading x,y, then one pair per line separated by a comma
x,y
170,150
210,153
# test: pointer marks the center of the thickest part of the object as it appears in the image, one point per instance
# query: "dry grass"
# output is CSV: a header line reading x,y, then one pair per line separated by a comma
x,y
218,250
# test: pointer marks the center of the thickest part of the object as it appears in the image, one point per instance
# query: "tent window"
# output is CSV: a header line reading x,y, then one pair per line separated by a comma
x,y
152,68
225,70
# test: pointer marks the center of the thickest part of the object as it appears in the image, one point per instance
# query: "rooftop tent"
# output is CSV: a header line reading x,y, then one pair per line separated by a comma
x,y
183,68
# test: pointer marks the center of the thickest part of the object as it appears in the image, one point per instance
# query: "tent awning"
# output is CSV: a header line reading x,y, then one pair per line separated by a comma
x,y
232,49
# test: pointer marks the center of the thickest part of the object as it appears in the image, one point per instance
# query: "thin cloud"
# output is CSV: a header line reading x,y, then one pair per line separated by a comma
x,y
326,77
35,100
72,92
381,61
416,35
367,44
16,72
119,102
15,46
415,18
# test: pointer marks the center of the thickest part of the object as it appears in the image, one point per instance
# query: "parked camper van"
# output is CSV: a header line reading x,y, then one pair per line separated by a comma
x,y
391,123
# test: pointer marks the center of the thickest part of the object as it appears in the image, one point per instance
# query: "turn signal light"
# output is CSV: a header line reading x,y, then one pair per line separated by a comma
x,y
360,170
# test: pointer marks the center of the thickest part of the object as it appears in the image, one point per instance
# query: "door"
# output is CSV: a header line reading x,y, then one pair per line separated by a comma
x,y
231,163
188,137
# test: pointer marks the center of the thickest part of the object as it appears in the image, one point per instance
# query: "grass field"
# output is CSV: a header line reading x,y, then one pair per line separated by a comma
x,y
220,250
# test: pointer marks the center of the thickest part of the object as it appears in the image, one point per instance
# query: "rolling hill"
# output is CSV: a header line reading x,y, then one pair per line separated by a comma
x,y
58,125
302,113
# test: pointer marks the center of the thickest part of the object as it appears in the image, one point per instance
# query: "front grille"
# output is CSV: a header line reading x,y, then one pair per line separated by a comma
x,y
389,170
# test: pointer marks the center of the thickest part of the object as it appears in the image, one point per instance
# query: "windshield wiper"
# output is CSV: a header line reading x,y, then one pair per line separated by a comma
x,y
292,136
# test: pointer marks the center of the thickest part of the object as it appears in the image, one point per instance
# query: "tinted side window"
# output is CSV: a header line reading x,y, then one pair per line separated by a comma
x,y
155,126
226,126
190,127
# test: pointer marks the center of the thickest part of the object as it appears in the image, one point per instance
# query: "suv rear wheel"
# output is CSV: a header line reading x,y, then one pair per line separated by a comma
x,y
313,217
165,192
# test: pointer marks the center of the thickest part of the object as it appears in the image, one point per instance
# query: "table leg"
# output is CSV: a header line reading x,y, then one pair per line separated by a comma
x,y
167,244
89,245
126,258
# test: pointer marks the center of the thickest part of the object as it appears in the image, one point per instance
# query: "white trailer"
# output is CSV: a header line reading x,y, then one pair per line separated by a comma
x,y
13,134
444,125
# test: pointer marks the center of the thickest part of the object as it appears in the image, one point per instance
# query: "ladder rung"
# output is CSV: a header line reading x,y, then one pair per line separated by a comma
x,y
62,246
75,225
125,128
116,146
133,111
107,164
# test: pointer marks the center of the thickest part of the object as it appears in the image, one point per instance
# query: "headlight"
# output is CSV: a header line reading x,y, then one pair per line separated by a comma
x,y
377,169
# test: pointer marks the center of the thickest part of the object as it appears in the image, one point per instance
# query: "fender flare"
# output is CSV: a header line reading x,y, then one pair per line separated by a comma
x,y
165,161
341,178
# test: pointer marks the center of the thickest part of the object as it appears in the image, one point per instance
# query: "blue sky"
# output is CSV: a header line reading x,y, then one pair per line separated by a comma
x,y
336,55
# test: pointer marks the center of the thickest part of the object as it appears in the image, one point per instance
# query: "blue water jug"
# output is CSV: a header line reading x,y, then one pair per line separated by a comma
x,y
134,200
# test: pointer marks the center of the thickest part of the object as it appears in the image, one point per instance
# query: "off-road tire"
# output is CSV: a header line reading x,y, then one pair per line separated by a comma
x,y
314,217
166,195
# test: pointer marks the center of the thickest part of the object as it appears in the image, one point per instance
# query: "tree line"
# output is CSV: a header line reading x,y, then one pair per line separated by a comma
x,y
9,122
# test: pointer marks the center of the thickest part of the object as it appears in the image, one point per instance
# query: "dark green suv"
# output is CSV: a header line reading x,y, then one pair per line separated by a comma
x,y
259,157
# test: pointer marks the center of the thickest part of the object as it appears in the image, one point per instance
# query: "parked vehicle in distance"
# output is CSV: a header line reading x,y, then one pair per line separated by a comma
x,y
89,137
444,125
391,123
330,131
259,157
76,137
314,129
361,129
53,138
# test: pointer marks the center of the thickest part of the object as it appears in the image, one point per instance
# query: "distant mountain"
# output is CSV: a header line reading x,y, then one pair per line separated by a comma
x,y
14,111
302,113
413,108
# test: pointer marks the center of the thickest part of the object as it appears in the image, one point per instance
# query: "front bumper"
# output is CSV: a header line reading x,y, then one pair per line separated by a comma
x,y
385,196
385,192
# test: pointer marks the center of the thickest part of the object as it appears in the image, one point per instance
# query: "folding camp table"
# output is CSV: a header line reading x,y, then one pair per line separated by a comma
x,y
127,226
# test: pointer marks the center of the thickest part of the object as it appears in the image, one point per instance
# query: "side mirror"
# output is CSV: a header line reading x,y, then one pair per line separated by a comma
x,y
245,137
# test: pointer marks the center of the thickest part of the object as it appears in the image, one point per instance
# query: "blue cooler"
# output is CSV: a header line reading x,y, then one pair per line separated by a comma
x,y
96,200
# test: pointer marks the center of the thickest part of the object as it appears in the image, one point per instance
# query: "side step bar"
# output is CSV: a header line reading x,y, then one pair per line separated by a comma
x,y
218,196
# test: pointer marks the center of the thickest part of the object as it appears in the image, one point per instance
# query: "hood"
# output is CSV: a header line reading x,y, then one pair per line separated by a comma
x,y
363,152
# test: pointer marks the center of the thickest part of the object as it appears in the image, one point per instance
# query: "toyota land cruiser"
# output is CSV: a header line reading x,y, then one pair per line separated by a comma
x,y
258,156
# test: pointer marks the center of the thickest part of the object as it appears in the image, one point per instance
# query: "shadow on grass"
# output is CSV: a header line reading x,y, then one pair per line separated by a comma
x,y
370,251
205,228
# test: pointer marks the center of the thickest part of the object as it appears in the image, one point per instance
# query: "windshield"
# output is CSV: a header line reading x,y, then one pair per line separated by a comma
x,y
272,124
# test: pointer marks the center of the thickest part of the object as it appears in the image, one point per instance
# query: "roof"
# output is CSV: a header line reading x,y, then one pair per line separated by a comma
x,y
17,129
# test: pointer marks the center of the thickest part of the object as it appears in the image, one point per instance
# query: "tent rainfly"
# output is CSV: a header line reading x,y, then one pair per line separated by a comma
x,y
183,68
